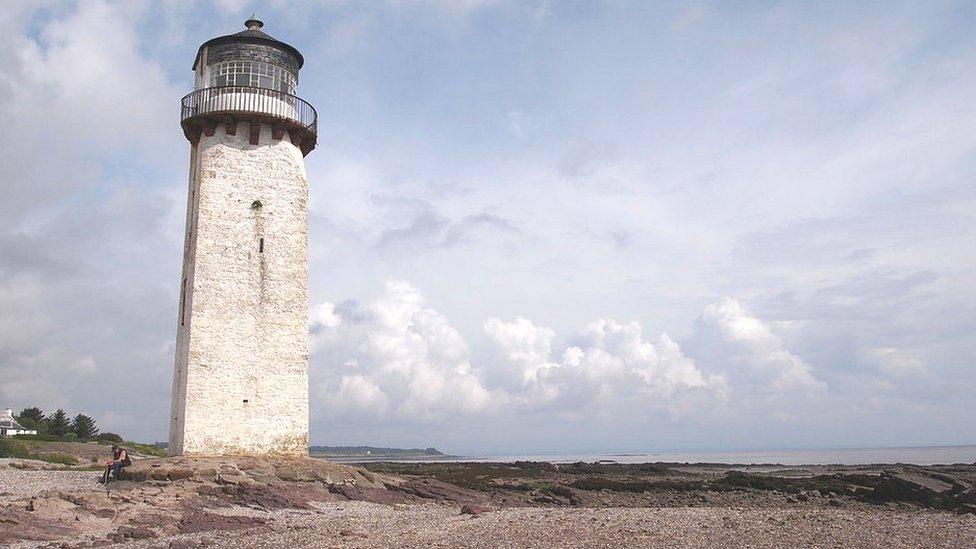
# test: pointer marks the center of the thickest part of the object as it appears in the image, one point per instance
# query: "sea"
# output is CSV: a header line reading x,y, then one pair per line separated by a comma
x,y
920,455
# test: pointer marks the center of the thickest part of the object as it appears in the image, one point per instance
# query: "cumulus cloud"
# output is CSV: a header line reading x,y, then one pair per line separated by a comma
x,y
399,358
357,394
762,373
395,356
612,367
524,349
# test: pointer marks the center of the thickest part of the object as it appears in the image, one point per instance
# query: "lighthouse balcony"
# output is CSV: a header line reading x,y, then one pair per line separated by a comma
x,y
206,108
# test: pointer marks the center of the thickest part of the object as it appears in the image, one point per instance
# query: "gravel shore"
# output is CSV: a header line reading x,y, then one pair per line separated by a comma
x,y
359,524
30,482
251,506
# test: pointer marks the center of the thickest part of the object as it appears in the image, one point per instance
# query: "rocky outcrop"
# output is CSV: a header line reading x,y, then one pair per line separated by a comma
x,y
929,489
248,469
184,495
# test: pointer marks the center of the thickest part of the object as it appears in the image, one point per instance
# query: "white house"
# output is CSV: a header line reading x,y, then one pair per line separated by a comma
x,y
9,426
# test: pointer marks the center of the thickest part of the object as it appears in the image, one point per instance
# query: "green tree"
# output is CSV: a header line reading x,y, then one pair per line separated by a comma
x,y
32,413
84,426
59,424
33,418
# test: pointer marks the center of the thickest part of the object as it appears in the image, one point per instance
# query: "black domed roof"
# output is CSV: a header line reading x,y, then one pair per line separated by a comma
x,y
253,35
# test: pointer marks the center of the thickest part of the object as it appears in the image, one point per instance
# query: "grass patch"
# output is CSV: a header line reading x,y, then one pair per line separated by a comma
x,y
32,441
13,449
17,449
45,438
146,449
55,457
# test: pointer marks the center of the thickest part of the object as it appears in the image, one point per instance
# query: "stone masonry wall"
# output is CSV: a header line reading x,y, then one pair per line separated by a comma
x,y
241,375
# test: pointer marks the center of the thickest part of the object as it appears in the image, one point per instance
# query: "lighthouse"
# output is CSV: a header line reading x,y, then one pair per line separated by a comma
x,y
240,383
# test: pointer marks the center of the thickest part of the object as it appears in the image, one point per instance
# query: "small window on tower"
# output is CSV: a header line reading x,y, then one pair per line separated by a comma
x,y
183,303
261,246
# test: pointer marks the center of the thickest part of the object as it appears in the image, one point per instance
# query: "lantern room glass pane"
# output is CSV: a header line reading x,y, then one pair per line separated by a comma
x,y
252,73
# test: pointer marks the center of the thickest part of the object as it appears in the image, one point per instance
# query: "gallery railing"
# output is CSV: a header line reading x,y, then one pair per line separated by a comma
x,y
251,100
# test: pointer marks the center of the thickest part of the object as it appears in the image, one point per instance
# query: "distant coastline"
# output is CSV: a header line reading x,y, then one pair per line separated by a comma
x,y
916,455
371,452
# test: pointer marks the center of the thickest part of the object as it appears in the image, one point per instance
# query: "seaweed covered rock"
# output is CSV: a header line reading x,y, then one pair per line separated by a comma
x,y
936,490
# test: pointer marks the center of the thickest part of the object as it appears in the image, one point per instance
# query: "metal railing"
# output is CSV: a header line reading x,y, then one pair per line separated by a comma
x,y
250,99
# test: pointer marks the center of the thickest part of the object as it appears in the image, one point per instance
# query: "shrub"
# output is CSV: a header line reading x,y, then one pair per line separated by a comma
x,y
70,436
109,437
147,449
14,449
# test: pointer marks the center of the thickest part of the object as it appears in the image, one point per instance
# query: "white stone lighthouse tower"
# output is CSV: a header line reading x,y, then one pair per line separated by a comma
x,y
240,384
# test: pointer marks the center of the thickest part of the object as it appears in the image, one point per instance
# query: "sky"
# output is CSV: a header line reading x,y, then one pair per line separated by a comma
x,y
535,226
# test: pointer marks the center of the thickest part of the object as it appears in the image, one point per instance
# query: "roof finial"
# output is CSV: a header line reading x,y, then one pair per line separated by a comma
x,y
253,23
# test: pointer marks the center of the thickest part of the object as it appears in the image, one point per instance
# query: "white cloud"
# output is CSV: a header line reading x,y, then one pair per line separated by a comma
x,y
612,368
87,81
358,395
753,358
323,324
524,346
895,363
405,358
83,233
396,357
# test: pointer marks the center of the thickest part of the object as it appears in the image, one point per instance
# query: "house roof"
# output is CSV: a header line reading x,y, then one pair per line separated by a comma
x,y
10,423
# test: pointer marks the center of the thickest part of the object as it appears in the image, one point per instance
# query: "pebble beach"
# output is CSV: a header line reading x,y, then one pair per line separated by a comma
x,y
357,524
60,497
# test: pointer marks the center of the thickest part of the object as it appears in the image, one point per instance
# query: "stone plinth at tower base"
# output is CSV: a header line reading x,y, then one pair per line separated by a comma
x,y
235,470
